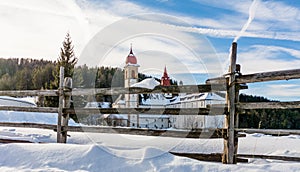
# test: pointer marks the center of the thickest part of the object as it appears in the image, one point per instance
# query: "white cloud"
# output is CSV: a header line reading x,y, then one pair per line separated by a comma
x,y
276,90
261,58
155,45
277,49
36,29
273,20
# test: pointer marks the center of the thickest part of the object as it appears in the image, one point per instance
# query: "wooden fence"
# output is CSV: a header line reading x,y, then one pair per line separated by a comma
x,y
231,83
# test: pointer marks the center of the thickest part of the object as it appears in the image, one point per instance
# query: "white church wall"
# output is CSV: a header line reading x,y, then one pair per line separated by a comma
x,y
187,121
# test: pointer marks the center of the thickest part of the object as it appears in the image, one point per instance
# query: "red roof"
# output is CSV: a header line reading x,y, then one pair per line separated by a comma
x,y
165,80
131,58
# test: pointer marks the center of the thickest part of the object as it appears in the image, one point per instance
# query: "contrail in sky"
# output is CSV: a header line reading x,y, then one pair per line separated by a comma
x,y
252,11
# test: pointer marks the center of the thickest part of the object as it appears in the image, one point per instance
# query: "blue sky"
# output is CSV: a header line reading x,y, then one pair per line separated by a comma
x,y
192,36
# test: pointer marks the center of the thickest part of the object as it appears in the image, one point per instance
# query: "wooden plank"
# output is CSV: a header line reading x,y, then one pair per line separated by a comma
x,y
28,125
198,133
157,89
283,158
213,157
68,83
5,141
214,110
274,132
24,93
119,90
154,111
269,105
216,157
29,109
229,155
218,80
269,76
60,104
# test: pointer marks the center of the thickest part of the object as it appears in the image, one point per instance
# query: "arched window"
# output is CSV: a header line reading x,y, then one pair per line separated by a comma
x,y
132,74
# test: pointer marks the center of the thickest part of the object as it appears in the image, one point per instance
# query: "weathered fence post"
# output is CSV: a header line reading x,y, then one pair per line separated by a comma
x,y
41,100
67,104
61,103
229,155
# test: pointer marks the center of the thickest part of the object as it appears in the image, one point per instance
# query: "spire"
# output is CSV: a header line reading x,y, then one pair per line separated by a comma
x,y
165,80
131,49
165,72
131,57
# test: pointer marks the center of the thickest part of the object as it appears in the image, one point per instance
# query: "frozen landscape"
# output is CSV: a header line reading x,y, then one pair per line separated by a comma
x,y
191,38
118,152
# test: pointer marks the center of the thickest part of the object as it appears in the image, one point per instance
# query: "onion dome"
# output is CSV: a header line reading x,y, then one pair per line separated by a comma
x,y
131,57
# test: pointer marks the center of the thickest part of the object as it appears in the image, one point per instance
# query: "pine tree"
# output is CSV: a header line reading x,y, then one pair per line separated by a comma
x,y
66,59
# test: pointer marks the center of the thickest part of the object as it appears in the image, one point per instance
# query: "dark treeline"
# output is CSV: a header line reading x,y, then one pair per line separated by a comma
x,y
25,74
31,74
268,118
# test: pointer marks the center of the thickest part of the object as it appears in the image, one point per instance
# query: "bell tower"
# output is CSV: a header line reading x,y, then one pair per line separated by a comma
x,y
130,78
165,80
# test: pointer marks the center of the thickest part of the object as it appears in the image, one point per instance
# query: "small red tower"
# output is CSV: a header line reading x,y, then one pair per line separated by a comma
x,y
165,80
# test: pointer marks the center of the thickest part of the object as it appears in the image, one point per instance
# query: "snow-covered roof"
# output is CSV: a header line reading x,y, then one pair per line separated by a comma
x,y
97,105
154,116
198,97
130,64
11,101
149,83
213,96
115,116
160,99
155,99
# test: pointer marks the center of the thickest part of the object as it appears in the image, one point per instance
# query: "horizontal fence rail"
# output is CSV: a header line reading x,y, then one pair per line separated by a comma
x,y
29,109
269,105
283,158
24,93
157,89
154,111
196,133
28,125
120,90
269,76
274,132
217,157
259,77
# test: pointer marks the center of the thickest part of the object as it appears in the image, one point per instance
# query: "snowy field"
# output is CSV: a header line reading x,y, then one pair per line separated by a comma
x,y
117,152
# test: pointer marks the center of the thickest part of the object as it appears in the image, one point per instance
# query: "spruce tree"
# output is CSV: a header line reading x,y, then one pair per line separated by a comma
x,y
66,59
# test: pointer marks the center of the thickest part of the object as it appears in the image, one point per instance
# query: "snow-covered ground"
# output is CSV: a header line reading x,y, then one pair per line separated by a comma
x,y
118,152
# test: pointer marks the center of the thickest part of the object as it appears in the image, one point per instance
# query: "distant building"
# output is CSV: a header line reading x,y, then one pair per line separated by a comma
x,y
197,100
131,77
165,80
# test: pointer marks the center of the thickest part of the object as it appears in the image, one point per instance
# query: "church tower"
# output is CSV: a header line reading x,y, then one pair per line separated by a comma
x,y
130,78
165,80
